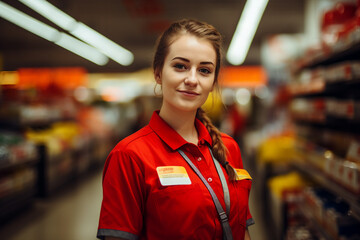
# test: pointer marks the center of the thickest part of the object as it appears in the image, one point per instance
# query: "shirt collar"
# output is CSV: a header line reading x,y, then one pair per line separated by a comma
x,y
171,137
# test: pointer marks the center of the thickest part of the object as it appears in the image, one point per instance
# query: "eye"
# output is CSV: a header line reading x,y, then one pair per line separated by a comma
x,y
205,71
179,66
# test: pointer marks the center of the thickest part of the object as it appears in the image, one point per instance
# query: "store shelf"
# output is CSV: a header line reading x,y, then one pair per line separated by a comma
x,y
342,89
351,52
54,171
319,177
315,225
13,166
331,123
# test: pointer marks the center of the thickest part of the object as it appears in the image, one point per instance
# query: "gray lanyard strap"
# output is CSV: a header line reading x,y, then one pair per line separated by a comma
x,y
223,183
227,234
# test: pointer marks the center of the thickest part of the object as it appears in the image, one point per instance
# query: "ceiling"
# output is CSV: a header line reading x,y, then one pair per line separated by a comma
x,y
135,25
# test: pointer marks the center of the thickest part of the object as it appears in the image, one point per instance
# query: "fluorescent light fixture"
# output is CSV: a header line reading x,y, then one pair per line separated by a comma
x,y
245,31
15,16
51,34
81,31
82,49
52,13
105,45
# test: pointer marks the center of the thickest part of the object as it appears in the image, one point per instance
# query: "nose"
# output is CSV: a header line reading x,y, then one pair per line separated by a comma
x,y
191,78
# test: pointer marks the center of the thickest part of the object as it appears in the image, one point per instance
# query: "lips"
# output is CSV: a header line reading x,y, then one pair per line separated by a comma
x,y
188,92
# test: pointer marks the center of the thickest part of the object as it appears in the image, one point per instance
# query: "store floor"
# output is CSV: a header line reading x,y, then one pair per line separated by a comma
x,y
73,215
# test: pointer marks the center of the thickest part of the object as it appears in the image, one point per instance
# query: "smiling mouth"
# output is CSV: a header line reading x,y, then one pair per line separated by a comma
x,y
189,93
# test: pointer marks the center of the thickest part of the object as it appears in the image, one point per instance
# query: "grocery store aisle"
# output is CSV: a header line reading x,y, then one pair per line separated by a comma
x,y
72,214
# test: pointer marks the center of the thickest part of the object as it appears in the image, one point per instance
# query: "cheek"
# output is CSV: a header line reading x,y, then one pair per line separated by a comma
x,y
208,86
166,86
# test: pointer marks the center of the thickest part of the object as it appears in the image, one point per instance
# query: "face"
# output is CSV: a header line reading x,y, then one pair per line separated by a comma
x,y
188,73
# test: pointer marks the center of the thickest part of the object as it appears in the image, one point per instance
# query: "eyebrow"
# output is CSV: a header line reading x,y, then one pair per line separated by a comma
x,y
187,60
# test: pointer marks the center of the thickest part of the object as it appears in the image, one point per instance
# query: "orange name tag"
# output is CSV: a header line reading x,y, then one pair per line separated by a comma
x,y
242,174
173,175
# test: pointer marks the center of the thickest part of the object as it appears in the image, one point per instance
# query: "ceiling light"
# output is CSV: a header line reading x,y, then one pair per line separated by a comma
x,y
82,49
51,34
105,45
52,13
81,31
245,31
15,16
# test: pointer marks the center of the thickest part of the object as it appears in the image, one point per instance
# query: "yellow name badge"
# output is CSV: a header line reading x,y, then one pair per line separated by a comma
x,y
173,175
242,174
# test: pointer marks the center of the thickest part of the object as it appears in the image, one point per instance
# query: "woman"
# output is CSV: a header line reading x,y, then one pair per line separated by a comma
x,y
163,182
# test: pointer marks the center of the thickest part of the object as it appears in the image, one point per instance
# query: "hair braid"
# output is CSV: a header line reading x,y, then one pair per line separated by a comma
x,y
218,148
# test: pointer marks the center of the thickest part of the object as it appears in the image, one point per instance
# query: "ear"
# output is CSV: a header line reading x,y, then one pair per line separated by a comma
x,y
157,76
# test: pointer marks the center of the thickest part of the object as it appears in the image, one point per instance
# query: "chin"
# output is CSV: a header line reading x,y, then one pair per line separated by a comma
x,y
188,108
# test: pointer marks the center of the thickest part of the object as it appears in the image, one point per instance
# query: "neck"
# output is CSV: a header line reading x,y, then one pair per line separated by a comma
x,y
182,122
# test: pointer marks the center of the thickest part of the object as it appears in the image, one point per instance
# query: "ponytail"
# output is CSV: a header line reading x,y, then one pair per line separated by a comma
x,y
218,148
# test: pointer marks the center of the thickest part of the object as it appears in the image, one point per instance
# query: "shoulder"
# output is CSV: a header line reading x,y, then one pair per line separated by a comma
x,y
124,157
234,153
136,138
228,141
129,147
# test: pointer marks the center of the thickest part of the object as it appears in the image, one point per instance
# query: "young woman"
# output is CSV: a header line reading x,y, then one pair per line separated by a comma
x,y
178,177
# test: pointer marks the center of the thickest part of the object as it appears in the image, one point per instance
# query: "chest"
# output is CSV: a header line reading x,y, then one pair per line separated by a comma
x,y
189,206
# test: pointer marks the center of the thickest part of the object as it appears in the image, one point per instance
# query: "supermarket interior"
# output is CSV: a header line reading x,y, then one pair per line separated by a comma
x,y
291,102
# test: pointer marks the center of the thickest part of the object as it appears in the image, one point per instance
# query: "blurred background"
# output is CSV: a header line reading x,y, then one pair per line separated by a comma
x,y
76,78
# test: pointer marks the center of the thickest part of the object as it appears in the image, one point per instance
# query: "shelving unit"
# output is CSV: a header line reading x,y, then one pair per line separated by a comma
x,y
316,226
338,190
18,175
54,171
347,53
64,144
325,106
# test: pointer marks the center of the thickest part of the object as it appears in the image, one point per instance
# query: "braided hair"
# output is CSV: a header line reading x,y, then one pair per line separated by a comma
x,y
218,148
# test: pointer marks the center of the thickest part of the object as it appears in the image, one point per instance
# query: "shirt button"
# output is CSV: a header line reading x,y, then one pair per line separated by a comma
x,y
199,159
209,179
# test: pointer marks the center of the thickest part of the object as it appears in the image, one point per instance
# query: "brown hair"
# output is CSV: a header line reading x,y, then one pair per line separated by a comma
x,y
208,32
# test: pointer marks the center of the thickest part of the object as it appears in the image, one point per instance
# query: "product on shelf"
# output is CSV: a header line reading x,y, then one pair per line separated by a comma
x,y
339,169
15,149
277,149
353,153
17,181
337,25
330,212
343,108
340,31
343,71
320,215
306,109
284,196
319,79
308,82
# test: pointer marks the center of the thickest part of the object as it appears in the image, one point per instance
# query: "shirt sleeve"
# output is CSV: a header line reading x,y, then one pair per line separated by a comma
x,y
123,197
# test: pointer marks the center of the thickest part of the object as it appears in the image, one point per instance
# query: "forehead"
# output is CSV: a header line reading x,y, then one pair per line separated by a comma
x,y
192,48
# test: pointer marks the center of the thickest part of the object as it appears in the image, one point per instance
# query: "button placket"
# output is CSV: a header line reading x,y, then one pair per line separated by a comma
x,y
200,163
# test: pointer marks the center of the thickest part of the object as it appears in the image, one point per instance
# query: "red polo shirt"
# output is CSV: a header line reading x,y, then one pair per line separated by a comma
x,y
137,206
